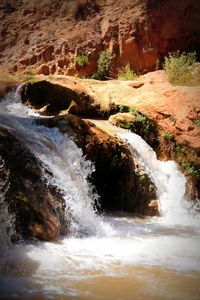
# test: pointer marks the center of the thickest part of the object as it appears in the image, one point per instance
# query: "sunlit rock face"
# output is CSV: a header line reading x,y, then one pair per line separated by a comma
x,y
172,109
138,32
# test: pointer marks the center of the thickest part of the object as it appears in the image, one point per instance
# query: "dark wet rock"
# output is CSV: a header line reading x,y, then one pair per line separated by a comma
x,y
123,184
57,97
38,209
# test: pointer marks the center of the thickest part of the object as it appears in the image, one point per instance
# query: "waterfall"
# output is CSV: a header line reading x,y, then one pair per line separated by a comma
x,y
105,257
170,182
59,155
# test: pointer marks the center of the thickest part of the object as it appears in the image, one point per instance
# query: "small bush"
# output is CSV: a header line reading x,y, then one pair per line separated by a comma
x,y
186,158
179,66
103,65
189,168
172,119
167,135
179,149
197,122
139,117
81,60
123,108
127,73
133,111
140,125
126,124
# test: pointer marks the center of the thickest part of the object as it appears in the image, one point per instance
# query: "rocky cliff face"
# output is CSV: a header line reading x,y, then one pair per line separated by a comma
x,y
47,35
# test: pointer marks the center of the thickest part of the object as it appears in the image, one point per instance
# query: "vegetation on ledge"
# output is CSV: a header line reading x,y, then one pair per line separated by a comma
x,y
182,68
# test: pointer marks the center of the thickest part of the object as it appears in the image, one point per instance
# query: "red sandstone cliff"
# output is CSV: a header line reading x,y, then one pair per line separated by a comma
x,y
48,34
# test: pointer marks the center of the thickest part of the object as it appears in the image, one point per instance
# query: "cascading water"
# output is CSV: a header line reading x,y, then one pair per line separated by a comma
x,y
61,157
170,182
117,257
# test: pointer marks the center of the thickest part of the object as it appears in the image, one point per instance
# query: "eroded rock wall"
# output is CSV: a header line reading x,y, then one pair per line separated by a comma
x,y
47,35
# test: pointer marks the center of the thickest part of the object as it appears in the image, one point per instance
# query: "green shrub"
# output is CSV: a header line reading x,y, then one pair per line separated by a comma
x,y
172,119
127,73
179,149
122,108
189,168
179,66
197,122
167,136
126,124
139,117
103,65
186,158
81,60
133,111
140,125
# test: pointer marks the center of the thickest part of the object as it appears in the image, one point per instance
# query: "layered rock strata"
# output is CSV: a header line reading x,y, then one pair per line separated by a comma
x,y
48,35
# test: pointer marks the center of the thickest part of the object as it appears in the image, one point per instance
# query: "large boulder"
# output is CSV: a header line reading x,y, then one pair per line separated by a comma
x,y
57,96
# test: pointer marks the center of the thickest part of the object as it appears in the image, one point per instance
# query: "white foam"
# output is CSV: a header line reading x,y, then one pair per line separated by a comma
x,y
170,183
59,155
111,245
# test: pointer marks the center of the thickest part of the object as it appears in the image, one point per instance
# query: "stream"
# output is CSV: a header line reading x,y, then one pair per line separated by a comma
x,y
116,256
